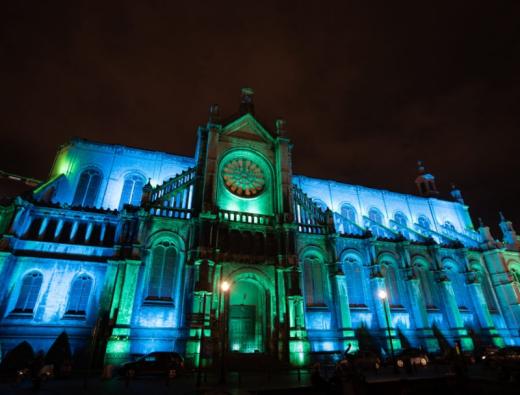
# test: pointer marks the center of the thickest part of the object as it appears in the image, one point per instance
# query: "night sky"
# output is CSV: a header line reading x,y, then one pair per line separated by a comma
x,y
366,87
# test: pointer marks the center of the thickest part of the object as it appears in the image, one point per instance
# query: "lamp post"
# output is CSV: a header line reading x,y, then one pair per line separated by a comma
x,y
383,296
202,338
224,287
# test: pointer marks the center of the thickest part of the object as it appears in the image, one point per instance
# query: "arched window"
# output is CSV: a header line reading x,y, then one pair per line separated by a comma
x,y
392,286
30,289
162,272
486,288
349,212
449,225
516,275
132,191
428,288
79,295
355,282
401,219
375,215
424,222
87,189
321,204
313,279
458,284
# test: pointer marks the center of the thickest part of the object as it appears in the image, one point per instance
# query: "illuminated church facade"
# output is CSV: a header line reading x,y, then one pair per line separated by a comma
x,y
126,249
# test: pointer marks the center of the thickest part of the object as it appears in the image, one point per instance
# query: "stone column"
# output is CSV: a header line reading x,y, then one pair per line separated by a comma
x,y
481,309
346,333
119,346
299,347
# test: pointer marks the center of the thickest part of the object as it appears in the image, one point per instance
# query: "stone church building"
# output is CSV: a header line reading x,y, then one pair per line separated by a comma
x,y
131,251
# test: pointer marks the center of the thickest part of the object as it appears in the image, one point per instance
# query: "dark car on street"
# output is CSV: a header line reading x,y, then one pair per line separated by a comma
x,y
167,364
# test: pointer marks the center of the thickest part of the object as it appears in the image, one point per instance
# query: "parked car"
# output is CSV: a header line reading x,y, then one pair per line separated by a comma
x,y
509,355
155,363
412,357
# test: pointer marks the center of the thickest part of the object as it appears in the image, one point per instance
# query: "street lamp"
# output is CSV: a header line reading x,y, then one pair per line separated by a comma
x,y
224,287
381,294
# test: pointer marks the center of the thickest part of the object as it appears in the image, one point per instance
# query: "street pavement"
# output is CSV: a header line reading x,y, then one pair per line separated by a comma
x,y
431,380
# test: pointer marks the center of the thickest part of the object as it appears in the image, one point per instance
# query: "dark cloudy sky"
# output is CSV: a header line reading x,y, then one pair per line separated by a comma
x,y
367,87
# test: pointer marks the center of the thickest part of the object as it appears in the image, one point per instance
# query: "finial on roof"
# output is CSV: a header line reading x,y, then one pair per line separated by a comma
x,y
420,167
425,182
480,222
281,127
502,218
214,113
246,101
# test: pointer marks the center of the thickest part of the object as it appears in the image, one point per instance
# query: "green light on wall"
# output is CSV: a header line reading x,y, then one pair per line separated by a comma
x,y
299,353
62,165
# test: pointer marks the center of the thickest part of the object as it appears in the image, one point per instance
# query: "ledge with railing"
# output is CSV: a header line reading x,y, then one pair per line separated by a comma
x,y
247,218
379,230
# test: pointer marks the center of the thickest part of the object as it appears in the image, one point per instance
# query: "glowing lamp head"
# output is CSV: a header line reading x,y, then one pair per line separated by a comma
x,y
224,286
381,294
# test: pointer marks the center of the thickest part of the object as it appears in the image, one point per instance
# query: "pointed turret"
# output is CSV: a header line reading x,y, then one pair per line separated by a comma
x,y
456,194
511,239
488,242
214,114
246,102
281,127
147,193
425,182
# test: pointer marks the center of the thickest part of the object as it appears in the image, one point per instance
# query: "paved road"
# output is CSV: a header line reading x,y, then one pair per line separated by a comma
x,y
426,381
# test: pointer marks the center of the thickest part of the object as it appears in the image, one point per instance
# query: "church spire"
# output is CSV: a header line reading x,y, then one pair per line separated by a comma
x,y
246,101
511,239
425,181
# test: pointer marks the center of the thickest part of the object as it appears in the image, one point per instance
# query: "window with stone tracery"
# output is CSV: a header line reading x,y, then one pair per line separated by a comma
x,y
355,282
79,295
29,292
163,266
87,189
132,190
392,286
314,286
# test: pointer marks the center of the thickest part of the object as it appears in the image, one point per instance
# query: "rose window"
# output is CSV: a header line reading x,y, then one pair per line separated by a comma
x,y
243,177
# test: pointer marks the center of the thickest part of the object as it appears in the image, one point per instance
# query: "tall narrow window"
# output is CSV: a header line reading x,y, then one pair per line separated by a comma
x,y
448,225
401,219
458,284
79,295
30,289
354,278
349,212
392,286
424,222
375,215
132,191
313,277
427,287
162,272
88,188
487,289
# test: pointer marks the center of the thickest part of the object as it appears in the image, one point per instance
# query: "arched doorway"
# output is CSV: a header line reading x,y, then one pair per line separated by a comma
x,y
247,317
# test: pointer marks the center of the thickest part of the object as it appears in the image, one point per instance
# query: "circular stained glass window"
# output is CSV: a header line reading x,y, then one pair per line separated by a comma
x,y
243,177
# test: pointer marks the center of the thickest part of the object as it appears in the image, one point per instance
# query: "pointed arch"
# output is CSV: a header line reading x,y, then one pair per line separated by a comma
x,y
132,190
88,187
426,282
79,295
354,278
458,283
29,292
